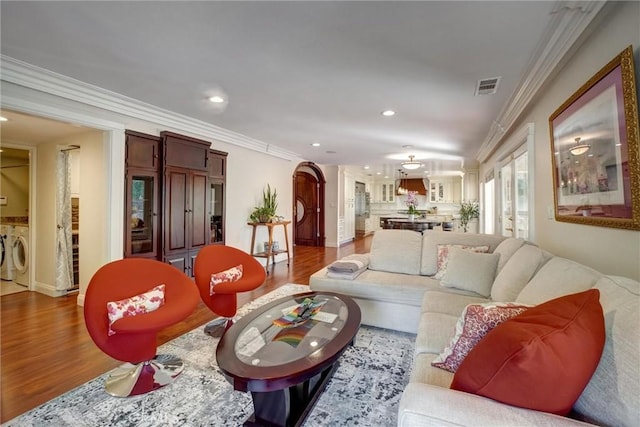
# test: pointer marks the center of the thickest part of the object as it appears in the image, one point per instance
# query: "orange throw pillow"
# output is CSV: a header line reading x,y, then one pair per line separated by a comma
x,y
541,359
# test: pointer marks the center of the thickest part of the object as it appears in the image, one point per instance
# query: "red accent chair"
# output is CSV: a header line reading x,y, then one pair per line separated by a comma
x,y
215,259
135,338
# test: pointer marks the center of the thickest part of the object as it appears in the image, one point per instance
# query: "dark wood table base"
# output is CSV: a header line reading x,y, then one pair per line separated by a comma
x,y
288,407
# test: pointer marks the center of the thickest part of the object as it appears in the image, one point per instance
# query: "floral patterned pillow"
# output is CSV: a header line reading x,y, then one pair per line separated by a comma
x,y
139,304
443,256
474,323
231,275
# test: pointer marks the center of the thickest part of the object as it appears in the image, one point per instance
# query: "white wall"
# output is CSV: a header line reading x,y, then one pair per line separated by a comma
x,y
609,250
248,173
93,228
43,224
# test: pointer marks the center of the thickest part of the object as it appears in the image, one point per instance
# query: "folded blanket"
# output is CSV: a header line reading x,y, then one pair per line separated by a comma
x,y
349,264
345,276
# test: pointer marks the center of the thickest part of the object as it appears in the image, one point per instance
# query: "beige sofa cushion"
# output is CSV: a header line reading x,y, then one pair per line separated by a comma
x,y
470,271
558,277
377,285
612,396
517,272
506,249
447,302
434,332
423,372
431,239
396,251
440,313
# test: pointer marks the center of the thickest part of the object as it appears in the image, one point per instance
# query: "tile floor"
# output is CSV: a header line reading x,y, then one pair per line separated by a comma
x,y
9,287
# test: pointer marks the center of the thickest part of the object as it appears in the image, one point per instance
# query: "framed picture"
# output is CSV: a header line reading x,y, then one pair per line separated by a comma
x,y
594,150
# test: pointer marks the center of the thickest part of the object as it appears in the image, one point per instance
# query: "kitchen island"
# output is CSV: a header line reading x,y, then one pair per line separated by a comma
x,y
416,224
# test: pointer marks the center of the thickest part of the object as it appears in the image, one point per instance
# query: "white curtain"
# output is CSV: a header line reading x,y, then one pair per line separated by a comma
x,y
64,256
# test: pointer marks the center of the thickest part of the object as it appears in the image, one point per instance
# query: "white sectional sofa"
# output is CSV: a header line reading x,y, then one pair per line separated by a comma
x,y
399,291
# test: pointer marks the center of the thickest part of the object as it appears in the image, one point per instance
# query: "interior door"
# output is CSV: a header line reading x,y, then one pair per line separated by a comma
x,y
306,209
514,185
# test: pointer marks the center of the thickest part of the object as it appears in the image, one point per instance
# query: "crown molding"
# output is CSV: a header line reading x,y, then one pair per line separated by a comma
x,y
569,21
30,76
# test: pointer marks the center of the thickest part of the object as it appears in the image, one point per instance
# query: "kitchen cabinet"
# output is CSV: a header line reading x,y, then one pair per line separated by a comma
x,y
471,184
385,192
141,222
445,190
349,208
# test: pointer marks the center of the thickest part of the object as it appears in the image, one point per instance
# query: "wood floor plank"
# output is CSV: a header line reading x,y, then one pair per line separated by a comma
x,y
45,349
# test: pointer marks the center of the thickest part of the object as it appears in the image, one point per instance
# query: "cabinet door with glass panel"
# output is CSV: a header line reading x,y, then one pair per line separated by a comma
x,y
217,183
141,214
216,210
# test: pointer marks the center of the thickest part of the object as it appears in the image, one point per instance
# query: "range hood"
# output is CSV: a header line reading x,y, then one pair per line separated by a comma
x,y
414,184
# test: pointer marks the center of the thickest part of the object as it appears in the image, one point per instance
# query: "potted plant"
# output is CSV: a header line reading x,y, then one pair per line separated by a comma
x,y
267,211
412,203
468,211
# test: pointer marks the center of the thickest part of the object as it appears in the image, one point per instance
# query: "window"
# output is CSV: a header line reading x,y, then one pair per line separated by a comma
x,y
507,193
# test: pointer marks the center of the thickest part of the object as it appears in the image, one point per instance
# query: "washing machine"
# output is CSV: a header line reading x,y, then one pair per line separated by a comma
x,y
6,244
21,254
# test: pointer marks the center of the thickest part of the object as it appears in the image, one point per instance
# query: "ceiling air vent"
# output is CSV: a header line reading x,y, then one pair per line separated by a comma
x,y
487,86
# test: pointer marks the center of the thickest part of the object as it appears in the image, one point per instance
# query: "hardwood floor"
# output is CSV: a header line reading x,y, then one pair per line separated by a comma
x,y
45,349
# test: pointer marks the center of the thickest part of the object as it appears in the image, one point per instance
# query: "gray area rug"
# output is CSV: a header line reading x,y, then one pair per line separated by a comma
x,y
364,391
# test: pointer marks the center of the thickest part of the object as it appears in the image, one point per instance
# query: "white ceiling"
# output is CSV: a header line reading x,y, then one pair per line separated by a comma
x,y
295,73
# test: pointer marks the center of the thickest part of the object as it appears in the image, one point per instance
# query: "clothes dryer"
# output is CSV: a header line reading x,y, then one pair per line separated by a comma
x,y
21,254
6,244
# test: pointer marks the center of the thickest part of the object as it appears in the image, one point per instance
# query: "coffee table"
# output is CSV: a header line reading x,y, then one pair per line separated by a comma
x,y
286,368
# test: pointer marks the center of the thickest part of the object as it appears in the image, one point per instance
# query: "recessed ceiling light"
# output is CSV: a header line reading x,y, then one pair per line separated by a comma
x,y
315,144
3,119
366,166
388,113
216,99
378,173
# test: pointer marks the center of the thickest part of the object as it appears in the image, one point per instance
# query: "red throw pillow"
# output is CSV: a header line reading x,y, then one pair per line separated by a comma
x,y
541,359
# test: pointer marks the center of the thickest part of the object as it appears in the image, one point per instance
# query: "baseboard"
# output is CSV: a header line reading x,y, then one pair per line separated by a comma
x,y
49,290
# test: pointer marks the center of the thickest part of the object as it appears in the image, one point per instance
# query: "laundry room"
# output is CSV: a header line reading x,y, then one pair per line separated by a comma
x,y
46,167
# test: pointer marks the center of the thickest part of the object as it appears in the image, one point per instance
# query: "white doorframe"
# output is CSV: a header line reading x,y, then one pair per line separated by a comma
x,y
114,142
522,141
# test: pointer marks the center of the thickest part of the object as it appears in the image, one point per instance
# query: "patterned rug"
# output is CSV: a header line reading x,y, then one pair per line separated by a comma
x,y
365,390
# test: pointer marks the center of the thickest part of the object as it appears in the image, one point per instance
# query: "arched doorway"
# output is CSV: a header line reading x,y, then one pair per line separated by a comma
x,y
308,205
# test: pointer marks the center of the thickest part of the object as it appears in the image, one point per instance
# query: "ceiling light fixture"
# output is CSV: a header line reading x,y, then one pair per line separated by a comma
x,y
388,113
579,149
315,144
411,164
3,119
216,99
